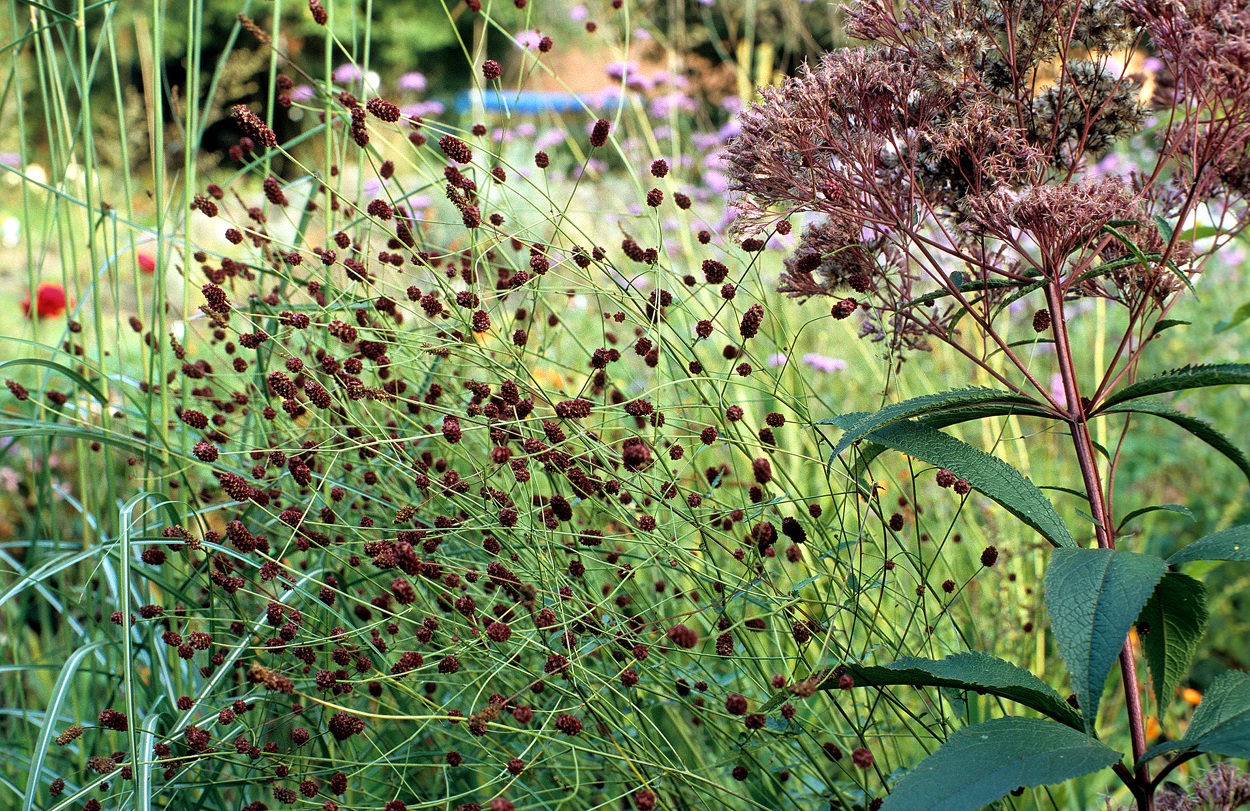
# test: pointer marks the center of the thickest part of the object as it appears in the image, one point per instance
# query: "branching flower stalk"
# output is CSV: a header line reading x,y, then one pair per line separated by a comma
x,y
950,166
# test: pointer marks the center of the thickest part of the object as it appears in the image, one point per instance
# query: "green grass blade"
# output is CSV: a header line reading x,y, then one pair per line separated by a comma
x,y
49,731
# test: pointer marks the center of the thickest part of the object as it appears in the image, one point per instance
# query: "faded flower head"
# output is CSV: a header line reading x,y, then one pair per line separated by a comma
x,y
960,137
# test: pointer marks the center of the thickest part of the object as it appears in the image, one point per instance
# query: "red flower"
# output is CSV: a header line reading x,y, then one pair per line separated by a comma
x,y
147,262
50,301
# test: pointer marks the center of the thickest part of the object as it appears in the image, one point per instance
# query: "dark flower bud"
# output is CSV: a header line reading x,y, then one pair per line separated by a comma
x,y
384,111
599,134
455,149
751,321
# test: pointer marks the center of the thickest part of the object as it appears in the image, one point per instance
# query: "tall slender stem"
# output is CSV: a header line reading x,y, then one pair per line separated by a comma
x,y
1104,528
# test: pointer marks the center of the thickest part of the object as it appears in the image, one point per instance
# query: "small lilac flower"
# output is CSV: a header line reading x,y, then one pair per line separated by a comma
x,y
526,129
821,363
578,13
414,81
10,159
1056,388
302,93
550,138
528,40
661,106
373,187
424,109
620,70
718,182
778,359
732,129
639,83
347,73
642,35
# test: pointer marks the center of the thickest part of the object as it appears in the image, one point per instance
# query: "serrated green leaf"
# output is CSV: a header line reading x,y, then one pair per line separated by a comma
x,y
1221,724
1093,596
981,763
969,670
1227,544
926,404
1188,377
1177,615
990,475
1199,428
869,451
1167,323
1175,508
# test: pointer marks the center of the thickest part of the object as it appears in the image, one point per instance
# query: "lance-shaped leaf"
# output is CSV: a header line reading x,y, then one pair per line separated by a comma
x,y
1221,724
1227,544
869,451
1188,377
969,670
1199,428
990,475
1176,614
1093,596
981,763
926,404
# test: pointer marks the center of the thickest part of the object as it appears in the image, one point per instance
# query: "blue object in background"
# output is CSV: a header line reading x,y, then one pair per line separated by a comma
x,y
536,102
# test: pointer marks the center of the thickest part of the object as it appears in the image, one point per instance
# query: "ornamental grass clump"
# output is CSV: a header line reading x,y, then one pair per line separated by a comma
x,y
951,173
451,480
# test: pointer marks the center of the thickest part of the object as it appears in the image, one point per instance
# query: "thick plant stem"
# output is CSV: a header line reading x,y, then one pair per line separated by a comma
x,y
1084,447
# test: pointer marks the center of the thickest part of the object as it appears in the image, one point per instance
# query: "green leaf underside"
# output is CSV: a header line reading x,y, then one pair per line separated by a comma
x,y
990,475
976,286
1221,724
981,763
1241,314
1188,377
1199,428
926,404
1093,596
969,670
1177,614
1227,544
